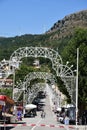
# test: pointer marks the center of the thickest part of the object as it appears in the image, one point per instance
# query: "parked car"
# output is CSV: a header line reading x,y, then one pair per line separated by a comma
x,y
30,114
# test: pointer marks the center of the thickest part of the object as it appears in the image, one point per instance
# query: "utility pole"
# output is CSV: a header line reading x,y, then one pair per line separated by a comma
x,y
77,87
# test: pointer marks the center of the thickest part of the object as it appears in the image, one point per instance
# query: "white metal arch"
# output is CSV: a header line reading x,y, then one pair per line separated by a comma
x,y
35,89
38,52
31,76
67,76
40,75
63,71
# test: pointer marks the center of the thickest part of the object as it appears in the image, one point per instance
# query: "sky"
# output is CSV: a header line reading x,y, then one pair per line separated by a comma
x,y
19,17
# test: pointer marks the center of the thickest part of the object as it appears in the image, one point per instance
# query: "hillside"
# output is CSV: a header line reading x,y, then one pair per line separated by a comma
x,y
57,37
67,25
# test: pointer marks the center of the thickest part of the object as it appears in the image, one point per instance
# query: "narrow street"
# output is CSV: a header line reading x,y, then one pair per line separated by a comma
x,y
38,123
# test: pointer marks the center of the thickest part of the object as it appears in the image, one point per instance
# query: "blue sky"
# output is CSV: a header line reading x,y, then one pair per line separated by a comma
x,y
19,17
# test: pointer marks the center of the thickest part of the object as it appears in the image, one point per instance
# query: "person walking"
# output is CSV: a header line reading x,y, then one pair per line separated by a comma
x,y
66,120
43,114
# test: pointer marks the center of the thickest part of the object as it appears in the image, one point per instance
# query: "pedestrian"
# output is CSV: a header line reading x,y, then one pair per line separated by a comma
x,y
66,120
19,116
43,114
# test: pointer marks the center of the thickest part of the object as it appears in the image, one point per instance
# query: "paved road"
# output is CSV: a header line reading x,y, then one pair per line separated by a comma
x,y
37,123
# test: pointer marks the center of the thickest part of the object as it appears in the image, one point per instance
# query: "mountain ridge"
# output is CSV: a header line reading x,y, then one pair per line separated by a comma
x,y
66,26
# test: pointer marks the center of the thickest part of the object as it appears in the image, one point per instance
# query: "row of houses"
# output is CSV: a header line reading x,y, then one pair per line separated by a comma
x,y
6,82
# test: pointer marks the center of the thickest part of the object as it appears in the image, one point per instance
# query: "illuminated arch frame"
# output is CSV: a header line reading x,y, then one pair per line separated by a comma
x,y
31,76
39,52
63,71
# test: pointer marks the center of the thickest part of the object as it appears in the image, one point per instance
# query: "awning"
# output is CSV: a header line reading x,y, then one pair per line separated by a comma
x,y
59,109
6,99
2,98
30,106
68,106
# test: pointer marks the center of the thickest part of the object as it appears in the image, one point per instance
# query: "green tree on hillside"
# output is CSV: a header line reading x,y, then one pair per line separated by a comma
x,y
79,40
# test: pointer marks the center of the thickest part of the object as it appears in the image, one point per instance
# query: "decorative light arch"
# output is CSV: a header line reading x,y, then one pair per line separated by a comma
x,y
63,71
35,89
40,75
38,52
31,76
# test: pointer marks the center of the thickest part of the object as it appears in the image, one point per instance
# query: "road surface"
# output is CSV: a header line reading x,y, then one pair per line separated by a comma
x,y
38,123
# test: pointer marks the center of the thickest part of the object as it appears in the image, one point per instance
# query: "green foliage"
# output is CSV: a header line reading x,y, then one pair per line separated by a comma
x,y
79,40
9,45
6,91
63,89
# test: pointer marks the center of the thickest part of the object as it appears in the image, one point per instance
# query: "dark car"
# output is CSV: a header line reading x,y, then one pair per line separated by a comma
x,y
29,115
